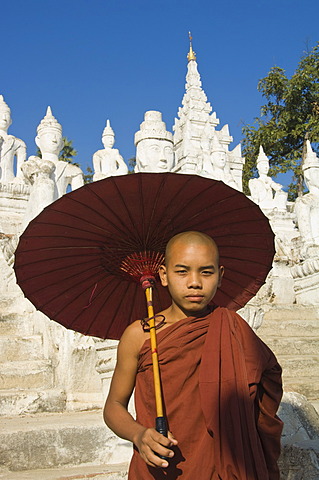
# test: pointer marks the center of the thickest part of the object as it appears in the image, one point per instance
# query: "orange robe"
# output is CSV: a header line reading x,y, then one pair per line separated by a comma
x,y
221,390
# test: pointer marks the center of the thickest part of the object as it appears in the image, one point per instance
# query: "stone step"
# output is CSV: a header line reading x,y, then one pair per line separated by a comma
x,y
94,472
8,302
289,327
309,387
15,303
11,324
26,402
298,366
14,348
27,375
58,440
292,345
294,312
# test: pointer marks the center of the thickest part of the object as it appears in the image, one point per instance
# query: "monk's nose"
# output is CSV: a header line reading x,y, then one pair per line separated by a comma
x,y
194,281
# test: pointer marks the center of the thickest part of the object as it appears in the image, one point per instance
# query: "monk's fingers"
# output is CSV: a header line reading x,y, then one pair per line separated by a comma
x,y
165,441
162,446
154,460
172,439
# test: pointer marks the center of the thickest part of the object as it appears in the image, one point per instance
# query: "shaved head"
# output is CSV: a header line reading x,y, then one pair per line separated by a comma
x,y
190,238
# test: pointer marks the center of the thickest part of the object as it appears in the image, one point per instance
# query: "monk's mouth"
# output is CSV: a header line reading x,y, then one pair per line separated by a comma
x,y
195,298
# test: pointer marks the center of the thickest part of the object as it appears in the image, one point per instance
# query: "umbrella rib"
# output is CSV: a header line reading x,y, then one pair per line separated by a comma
x,y
128,212
73,215
35,292
178,192
77,296
140,190
157,198
118,309
123,230
95,298
37,261
233,223
57,269
76,228
191,200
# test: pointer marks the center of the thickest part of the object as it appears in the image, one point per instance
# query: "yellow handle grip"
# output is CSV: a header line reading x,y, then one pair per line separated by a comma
x,y
156,372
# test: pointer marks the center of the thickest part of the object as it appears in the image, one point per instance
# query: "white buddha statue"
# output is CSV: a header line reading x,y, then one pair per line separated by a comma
x,y
108,161
39,173
50,142
307,206
264,191
216,167
154,145
10,147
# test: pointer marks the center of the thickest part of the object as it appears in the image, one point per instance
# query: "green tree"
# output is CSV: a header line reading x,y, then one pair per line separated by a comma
x,y
289,116
88,176
68,153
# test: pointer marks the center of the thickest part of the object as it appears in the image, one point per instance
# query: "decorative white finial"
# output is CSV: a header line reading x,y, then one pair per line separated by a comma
x,y
49,122
191,54
262,157
311,159
108,130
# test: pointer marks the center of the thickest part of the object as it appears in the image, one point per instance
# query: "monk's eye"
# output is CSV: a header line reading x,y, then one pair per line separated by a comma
x,y
207,272
181,271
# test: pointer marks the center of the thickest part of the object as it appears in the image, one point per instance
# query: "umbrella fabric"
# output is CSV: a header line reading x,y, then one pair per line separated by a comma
x,y
70,261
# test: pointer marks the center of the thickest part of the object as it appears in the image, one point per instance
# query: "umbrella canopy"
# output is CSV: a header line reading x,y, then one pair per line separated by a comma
x,y
81,259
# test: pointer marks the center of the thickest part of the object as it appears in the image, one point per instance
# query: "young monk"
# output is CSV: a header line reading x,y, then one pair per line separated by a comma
x,y
221,384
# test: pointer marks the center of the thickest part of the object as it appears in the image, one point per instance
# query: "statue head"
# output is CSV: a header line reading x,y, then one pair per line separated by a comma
x,y
218,154
310,168
154,145
5,115
262,162
49,138
108,137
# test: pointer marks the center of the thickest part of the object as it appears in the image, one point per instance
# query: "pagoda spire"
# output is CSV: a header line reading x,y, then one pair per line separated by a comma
x,y
191,54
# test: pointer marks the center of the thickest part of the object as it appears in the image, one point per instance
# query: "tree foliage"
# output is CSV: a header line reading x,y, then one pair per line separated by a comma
x,y
68,153
289,116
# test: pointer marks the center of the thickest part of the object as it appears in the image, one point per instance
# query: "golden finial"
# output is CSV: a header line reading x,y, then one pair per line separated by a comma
x,y
191,54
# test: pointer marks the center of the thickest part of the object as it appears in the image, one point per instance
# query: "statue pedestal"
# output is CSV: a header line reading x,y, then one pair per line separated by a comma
x,y
281,284
121,450
187,165
306,278
13,202
106,354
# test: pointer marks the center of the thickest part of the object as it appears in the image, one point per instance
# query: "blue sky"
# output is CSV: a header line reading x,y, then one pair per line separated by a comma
x,y
96,59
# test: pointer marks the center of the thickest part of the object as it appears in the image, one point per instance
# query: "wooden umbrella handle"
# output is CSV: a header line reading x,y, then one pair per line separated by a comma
x,y
160,420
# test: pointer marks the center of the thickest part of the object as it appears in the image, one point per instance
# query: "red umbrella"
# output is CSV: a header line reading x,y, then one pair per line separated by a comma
x,y
77,259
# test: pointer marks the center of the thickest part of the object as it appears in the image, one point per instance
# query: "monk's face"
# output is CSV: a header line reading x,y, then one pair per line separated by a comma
x,y
192,275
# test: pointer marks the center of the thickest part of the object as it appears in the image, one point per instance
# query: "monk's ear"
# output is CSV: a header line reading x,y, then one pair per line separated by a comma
x,y
221,274
163,275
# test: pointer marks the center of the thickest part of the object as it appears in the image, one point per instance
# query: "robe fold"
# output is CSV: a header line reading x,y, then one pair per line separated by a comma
x,y
221,391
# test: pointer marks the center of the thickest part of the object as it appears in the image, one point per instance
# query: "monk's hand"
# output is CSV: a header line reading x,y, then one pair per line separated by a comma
x,y
149,443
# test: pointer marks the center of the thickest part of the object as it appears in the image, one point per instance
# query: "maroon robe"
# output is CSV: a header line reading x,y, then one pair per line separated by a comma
x,y
221,390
